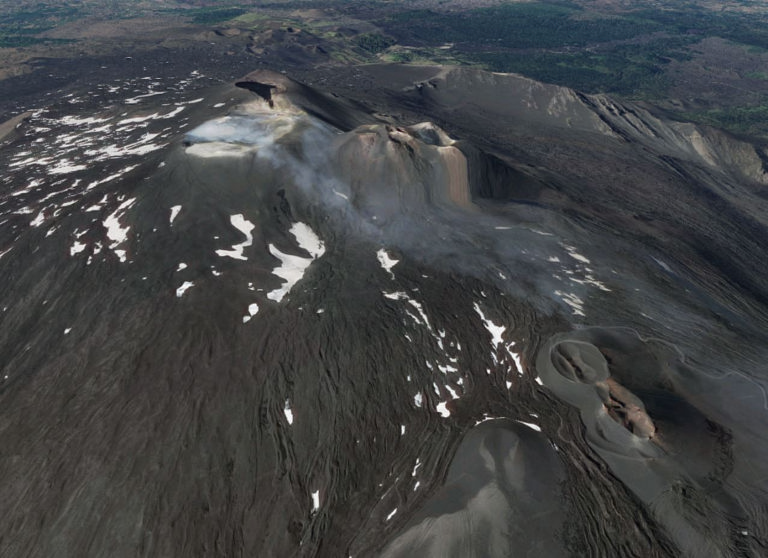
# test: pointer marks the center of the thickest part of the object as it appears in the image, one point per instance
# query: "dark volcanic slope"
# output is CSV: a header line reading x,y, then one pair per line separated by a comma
x,y
320,325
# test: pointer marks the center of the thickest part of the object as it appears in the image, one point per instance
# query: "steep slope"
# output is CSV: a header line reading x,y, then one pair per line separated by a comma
x,y
270,320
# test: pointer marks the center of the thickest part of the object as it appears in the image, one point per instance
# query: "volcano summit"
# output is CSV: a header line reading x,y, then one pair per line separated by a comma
x,y
457,313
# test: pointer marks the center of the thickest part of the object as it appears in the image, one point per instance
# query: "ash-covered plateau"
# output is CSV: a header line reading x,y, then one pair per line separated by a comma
x,y
453,314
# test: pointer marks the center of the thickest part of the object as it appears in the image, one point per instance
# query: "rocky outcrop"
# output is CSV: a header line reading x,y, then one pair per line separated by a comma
x,y
683,140
398,170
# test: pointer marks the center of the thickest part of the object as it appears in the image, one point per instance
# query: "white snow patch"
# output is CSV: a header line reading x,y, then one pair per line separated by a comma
x,y
288,412
182,267
399,295
292,267
174,213
137,99
445,368
110,177
387,262
575,255
589,279
663,265
536,427
184,286
316,500
65,167
443,409
116,233
515,357
140,147
253,309
391,514
32,185
76,248
245,227
173,113
576,304
39,220
418,399
486,418
495,331
137,119
308,240
75,121
66,331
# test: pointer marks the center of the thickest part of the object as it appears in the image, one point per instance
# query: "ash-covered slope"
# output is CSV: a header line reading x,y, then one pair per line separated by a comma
x,y
294,323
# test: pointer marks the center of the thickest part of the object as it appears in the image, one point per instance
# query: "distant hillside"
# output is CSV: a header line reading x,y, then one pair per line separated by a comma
x,y
702,60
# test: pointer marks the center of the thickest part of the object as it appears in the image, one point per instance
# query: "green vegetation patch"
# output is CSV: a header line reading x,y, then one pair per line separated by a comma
x,y
41,19
635,70
251,18
747,29
741,121
401,57
208,16
17,28
757,75
212,16
17,41
623,54
591,73
374,42
30,22
525,25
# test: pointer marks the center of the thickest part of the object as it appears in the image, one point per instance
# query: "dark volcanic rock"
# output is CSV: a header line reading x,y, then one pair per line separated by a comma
x,y
286,326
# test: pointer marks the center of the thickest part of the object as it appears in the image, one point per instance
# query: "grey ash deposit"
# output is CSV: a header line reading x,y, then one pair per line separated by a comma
x,y
456,313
